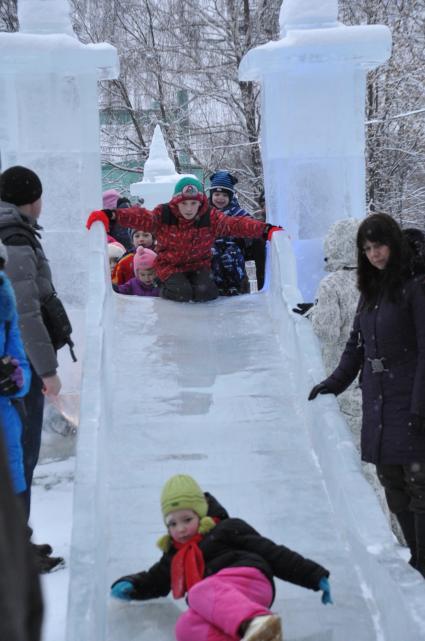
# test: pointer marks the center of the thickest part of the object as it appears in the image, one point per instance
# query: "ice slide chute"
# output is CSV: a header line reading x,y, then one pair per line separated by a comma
x,y
218,390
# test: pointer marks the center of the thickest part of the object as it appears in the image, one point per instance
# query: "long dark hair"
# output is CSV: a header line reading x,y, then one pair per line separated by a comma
x,y
371,281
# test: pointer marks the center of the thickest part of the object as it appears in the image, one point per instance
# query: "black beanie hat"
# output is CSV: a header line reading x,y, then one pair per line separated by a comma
x,y
20,186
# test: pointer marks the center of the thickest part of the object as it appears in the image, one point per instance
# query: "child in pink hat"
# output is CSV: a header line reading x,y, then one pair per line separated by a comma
x,y
143,283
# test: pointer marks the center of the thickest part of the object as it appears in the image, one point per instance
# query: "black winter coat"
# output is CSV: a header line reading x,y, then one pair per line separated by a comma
x,y
232,543
393,388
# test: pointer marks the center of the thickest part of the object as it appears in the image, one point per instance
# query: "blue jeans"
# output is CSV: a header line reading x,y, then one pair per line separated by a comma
x,y
34,406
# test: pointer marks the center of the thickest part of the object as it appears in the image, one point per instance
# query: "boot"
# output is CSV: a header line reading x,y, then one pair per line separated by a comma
x,y
420,542
44,549
406,520
265,627
44,563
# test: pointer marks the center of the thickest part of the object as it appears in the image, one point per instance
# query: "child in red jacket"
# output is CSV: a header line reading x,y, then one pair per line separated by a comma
x,y
185,230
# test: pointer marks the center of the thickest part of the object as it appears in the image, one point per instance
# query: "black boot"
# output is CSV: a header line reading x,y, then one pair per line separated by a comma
x,y
42,548
407,524
44,563
420,542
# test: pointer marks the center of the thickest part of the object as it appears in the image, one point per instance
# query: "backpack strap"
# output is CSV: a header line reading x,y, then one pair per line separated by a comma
x,y
18,235
204,220
167,216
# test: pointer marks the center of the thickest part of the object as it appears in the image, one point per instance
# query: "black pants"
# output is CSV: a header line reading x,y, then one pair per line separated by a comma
x,y
404,486
405,493
197,285
34,406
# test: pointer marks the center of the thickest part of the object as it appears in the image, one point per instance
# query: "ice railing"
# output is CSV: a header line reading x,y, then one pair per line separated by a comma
x,y
396,593
88,589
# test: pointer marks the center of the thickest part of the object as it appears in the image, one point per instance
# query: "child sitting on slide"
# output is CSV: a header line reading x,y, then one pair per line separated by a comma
x,y
125,268
225,567
143,282
185,230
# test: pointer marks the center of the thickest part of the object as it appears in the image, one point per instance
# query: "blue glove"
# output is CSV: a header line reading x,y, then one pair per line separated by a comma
x,y
122,590
326,588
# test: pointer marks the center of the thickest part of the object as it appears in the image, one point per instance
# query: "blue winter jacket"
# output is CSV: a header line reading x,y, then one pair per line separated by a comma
x,y
235,210
11,345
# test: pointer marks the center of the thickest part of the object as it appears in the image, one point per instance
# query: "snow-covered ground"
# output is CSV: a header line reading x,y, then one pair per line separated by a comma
x,y
52,521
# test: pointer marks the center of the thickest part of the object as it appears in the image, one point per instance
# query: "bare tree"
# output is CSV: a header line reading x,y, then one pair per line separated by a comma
x,y
395,109
8,15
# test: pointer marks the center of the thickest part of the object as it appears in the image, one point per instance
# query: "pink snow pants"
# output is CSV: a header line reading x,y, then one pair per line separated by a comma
x,y
221,602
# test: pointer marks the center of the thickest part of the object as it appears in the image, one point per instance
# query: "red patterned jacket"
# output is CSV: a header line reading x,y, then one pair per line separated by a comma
x,y
185,245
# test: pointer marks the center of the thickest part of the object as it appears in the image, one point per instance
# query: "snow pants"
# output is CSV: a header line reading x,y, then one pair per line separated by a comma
x,y
228,267
196,285
219,604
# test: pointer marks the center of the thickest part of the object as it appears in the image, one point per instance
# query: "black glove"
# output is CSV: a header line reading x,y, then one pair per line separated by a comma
x,y
417,422
110,213
7,385
320,388
302,308
269,230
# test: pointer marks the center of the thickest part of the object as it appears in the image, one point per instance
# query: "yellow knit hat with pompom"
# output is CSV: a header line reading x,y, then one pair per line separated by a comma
x,y
182,492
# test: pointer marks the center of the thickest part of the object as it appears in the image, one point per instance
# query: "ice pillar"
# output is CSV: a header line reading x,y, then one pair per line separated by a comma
x,y
313,82
159,174
49,122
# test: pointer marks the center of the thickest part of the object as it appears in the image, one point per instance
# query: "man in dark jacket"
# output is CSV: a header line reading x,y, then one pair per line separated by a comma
x,y
21,606
29,271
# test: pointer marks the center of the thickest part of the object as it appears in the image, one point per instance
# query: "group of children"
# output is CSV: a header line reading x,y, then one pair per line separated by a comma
x,y
221,564
190,248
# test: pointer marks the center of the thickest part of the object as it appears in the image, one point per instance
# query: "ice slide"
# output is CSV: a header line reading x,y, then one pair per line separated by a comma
x,y
218,390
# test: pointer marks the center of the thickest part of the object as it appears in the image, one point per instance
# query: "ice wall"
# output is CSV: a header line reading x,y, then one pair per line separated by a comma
x,y
49,122
313,84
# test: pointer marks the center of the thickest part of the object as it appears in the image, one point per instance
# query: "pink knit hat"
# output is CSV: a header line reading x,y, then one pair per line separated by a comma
x,y
143,258
110,198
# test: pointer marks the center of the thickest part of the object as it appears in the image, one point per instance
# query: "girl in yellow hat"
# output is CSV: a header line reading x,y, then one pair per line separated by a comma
x,y
224,566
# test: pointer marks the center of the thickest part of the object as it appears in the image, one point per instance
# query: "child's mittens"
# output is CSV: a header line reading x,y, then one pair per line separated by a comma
x,y
269,230
326,589
122,590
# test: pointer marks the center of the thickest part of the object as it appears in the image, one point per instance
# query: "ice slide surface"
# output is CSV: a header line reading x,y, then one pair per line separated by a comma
x,y
218,390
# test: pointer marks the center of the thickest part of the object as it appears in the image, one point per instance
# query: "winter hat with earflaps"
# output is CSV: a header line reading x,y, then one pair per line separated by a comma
x,y
188,188
182,492
143,259
223,181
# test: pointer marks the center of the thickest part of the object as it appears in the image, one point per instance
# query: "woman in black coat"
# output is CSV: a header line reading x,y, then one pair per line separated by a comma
x,y
387,344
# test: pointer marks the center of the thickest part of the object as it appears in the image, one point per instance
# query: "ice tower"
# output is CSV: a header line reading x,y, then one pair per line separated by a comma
x,y
313,83
159,174
49,122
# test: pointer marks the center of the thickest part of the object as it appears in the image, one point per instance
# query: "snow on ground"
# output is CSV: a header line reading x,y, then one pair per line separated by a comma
x,y
51,520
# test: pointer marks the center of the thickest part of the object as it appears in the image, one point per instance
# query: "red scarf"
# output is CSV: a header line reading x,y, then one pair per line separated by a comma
x,y
187,566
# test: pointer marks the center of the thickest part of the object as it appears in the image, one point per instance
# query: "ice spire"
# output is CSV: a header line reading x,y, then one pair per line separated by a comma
x,y
159,164
159,174
44,16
